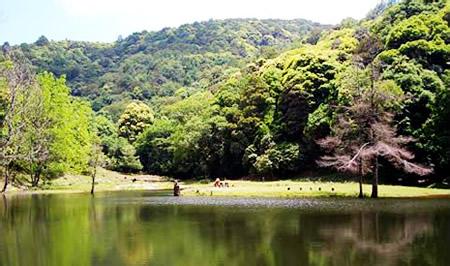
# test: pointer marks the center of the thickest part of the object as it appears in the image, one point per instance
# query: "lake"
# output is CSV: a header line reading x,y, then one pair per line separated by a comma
x,y
153,228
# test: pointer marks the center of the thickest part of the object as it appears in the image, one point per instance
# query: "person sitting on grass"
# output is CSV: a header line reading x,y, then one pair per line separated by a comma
x,y
217,183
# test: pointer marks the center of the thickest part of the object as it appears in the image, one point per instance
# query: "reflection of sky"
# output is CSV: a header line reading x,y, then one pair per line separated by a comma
x,y
104,20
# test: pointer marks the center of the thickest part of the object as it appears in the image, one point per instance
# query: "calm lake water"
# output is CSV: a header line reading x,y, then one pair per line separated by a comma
x,y
143,228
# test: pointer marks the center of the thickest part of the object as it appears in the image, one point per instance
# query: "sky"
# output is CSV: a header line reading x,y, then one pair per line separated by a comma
x,y
104,20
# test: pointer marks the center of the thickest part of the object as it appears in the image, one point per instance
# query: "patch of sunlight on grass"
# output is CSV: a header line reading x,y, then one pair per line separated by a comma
x,y
289,188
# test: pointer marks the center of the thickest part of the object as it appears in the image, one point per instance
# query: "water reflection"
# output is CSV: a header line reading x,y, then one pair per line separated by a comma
x,y
140,229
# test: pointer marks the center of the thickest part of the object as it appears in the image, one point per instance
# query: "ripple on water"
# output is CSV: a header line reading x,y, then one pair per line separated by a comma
x,y
317,204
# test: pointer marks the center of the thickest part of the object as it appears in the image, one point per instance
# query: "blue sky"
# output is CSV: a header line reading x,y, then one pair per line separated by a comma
x,y
104,20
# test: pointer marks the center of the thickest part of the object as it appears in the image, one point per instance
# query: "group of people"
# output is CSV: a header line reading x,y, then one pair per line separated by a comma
x,y
218,183
177,189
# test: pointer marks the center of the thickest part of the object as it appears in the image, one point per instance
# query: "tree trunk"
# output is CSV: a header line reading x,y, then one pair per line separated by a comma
x,y
6,179
361,194
93,185
94,173
37,177
31,172
375,180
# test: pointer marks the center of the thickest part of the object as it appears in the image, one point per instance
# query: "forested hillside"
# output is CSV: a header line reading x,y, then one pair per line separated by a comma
x,y
267,118
267,98
148,64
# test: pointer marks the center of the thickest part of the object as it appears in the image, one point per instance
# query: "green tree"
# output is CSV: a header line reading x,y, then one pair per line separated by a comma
x,y
363,133
71,127
37,134
136,117
122,156
95,161
179,142
154,147
437,132
15,79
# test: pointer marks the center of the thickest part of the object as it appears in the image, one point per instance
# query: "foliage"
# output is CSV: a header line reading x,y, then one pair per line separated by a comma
x,y
120,154
363,133
15,79
148,64
437,130
136,117
71,125
122,157
44,130
171,144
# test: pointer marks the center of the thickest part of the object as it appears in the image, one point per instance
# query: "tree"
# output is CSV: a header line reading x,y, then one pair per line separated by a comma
x,y
124,157
308,82
69,128
267,157
437,137
363,134
154,147
136,117
379,8
42,127
15,79
37,135
42,41
95,161
120,154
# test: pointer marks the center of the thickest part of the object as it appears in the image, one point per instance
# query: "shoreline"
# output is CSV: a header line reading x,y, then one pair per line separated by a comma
x,y
236,188
109,181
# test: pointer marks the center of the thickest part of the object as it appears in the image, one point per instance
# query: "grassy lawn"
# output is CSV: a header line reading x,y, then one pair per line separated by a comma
x,y
105,181
291,188
113,181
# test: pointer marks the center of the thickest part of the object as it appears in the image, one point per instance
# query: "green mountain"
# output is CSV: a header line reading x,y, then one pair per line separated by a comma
x,y
148,64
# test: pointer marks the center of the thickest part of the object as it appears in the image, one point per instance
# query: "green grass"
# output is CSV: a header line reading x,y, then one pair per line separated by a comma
x,y
113,181
289,188
105,181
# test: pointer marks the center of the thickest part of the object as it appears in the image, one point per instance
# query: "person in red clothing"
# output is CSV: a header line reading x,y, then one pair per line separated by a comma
x,y
217,183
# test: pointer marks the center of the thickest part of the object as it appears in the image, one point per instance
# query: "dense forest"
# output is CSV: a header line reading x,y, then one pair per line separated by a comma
x,y
146,65
234,98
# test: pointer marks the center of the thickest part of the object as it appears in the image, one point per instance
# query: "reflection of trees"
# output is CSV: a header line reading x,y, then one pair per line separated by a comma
x,y
376,238
80,230
183,235
4,205
35,232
